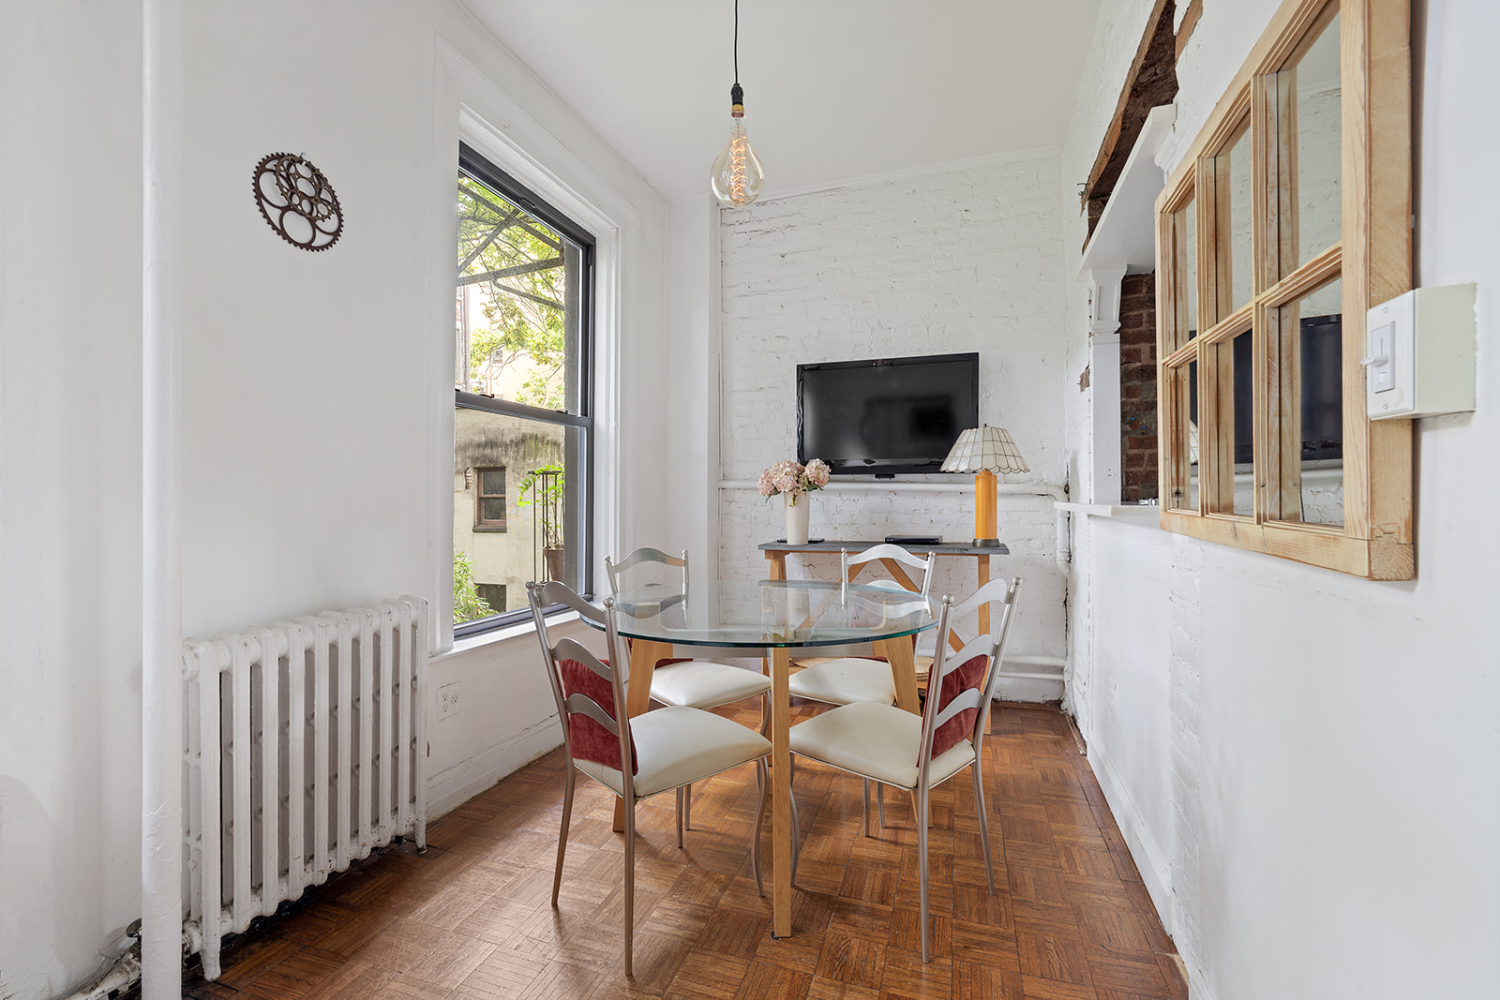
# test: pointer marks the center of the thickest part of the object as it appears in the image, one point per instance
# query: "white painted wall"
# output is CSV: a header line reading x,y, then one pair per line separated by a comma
x,y
1300,760
690,433
961,259
70,487
317,406
1108,62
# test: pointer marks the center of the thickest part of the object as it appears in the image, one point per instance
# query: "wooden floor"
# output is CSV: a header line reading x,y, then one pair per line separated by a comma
x,y
471,918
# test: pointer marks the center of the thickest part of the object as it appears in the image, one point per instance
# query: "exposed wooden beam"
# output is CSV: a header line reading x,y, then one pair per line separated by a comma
x,y
1152,81
1189,22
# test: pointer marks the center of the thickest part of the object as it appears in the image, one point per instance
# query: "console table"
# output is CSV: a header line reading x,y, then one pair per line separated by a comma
x,y
776,553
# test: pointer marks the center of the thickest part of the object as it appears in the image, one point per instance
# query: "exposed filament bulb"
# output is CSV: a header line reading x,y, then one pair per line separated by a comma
x,y
737,174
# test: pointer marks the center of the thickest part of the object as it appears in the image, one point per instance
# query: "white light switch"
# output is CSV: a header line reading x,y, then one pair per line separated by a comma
x,y
1419,353
1382,368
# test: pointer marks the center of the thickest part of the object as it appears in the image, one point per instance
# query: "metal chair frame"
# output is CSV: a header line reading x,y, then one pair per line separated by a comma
x,y
647,554
550,594
979,697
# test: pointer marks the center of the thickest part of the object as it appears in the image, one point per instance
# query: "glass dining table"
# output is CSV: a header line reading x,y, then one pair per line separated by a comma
x,y
771,618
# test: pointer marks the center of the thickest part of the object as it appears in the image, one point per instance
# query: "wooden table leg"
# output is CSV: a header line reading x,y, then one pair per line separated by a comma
x,y
643,657
778,564
781,794
898,653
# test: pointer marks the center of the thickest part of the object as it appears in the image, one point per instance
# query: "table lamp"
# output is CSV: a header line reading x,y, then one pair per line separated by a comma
x,y
984,451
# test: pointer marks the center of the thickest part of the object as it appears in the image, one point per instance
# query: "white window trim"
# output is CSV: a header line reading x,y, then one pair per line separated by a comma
x,y
466,103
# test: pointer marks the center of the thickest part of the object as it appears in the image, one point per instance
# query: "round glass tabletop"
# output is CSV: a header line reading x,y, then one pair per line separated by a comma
x,y
770,613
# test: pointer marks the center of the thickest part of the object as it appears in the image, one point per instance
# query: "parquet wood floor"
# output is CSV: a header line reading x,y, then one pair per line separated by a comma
x,y
471,918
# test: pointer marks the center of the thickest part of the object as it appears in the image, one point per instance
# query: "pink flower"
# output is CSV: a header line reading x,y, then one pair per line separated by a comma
x,y
817,474
787,476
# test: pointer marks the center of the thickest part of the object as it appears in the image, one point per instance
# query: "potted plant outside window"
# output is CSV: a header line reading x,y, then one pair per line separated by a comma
x,y
544,488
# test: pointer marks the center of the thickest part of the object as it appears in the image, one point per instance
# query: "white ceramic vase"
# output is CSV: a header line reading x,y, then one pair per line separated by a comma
x,y
796,518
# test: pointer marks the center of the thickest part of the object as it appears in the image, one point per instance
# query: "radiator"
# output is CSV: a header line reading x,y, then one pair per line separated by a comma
x,y
305,752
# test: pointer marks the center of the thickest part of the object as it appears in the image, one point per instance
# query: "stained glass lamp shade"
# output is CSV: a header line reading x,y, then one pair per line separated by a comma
x,y
984,451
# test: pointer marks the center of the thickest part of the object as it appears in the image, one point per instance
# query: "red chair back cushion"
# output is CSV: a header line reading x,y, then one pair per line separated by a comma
x,y
959,728
590,740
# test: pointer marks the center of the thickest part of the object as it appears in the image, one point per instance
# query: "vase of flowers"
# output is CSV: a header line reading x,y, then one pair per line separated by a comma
x,y
795,481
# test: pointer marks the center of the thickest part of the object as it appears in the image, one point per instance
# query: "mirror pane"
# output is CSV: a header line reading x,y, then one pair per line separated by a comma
x,y
1180,396
1232,183
1192,386
1242,365
1185,225
1311,97
1312,328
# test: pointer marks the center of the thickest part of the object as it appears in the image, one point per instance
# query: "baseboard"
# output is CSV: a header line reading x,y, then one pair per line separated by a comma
x,y
1155,872
460,783
1032,689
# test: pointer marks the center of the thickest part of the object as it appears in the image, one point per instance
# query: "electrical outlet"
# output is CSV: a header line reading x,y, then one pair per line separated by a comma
x,y
448,700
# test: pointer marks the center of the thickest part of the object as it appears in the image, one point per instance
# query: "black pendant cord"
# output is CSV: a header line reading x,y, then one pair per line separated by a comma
x,y
736,43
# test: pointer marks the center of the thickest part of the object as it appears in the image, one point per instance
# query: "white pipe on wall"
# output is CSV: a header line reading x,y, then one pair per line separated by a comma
x,y
1064,552
161,528
967,486
122,975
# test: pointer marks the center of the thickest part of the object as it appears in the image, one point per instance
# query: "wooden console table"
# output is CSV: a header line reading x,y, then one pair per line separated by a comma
x,y
776,553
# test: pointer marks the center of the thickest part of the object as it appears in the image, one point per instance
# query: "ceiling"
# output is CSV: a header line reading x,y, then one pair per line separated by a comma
x,y
834,89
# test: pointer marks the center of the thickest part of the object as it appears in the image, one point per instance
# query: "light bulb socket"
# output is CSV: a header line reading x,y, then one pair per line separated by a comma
x,y
737,100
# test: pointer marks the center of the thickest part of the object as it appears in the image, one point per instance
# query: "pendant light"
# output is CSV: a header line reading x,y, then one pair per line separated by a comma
x,y
737,174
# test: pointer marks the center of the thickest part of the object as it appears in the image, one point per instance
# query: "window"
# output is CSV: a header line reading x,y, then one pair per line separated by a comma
x,y
492,594
523,428
489,500
1290,210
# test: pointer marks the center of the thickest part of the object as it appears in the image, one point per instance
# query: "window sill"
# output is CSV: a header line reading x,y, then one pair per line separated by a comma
x,y
506,633
1130,511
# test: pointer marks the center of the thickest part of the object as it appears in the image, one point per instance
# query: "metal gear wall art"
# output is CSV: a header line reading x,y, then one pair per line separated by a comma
x,y
297,201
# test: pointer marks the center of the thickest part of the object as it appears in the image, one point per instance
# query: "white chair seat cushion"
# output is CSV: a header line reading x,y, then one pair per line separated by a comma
x,y
845,681
678,746
706,684
875,741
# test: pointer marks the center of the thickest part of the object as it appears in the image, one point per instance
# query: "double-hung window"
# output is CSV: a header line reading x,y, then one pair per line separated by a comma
x,y
1288,219
523,426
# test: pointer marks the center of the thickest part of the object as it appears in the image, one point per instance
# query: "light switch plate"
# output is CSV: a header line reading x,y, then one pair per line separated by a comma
x,y
1419,353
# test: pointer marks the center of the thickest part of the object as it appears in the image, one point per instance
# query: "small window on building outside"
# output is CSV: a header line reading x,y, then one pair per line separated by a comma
x,y
489,501
492,594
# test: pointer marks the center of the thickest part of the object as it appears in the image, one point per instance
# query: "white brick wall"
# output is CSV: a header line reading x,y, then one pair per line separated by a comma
x,y
966,259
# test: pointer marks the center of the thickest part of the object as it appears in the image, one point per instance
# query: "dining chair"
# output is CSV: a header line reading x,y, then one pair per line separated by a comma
x,y
884,744
843,680
655,752
693,683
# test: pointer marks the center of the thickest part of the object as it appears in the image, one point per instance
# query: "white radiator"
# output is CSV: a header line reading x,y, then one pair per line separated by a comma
x,y
305,751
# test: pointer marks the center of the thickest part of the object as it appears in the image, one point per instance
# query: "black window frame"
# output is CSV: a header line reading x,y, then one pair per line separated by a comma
x,y
472,162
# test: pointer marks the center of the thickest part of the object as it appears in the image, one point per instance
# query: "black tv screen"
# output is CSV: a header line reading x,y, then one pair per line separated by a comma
x,y
888,415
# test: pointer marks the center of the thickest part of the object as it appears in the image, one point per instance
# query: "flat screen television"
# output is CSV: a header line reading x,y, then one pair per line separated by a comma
x,y
887,415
